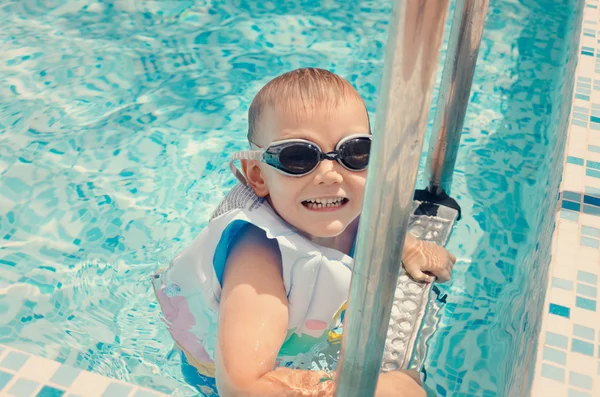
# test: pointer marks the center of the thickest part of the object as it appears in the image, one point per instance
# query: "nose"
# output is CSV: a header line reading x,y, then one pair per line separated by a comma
x,y
328,173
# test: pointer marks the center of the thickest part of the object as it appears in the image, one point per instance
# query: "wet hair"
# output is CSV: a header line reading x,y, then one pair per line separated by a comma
x,y
299,90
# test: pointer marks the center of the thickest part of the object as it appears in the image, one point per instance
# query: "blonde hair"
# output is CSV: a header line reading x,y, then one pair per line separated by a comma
x,y
311,87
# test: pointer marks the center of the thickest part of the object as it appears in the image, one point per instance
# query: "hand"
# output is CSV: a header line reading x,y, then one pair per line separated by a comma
x,y
422,257
403,383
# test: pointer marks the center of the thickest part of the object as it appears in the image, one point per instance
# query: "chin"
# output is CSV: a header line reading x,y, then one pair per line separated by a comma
x,y
332,229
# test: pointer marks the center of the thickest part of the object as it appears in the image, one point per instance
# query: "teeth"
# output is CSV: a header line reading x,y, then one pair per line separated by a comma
x,y
324,202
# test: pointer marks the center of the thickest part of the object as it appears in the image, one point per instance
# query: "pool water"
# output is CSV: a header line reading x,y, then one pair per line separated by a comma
x,y
116,120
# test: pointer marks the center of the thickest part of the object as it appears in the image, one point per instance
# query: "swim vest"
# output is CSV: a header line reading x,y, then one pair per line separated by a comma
x,y
316,280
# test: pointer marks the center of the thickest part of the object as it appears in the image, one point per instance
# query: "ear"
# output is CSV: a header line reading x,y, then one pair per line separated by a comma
x,y
254,177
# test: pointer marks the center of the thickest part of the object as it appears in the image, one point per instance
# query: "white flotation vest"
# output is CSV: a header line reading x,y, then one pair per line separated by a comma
x,y
316,280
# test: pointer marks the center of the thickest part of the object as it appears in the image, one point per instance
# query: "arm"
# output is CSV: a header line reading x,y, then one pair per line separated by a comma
x,y
253,322
421,256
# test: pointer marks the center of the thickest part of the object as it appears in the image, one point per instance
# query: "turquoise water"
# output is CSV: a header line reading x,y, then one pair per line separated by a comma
x,y
116,119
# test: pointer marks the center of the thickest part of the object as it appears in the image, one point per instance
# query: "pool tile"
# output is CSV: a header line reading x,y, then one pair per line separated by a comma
x,y
583,332
593,148
586,304
5,377
579,346
591,209
571,205
577,393
23,388
580,380
552,372
556,356
574,160
40,369
573,196
591,200
557,340
559,310
590,231
65,375
562,283
48,391
593,173
14,360
587,277
589,242
116,390
569,215
593,164
593,191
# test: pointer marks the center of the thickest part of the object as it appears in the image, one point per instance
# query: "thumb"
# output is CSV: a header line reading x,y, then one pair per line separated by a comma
x,y
418,275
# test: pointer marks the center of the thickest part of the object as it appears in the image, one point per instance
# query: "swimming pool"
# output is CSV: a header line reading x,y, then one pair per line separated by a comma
x,y
116,119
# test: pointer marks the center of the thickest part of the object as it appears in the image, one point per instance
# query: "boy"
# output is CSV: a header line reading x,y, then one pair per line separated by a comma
x,y
261,289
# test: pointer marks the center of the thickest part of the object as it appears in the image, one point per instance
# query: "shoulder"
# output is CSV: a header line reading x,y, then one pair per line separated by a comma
x,y
253,254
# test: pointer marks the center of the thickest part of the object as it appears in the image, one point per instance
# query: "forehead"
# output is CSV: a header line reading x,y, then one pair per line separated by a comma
x,y
323,123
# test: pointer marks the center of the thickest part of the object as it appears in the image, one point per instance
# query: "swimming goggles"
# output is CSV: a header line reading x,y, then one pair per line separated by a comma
x,y
299,157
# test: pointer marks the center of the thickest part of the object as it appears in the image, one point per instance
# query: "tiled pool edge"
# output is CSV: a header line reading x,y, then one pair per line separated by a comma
x,y
26,375
568,353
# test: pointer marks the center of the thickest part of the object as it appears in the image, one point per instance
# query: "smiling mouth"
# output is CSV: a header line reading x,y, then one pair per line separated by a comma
x,y
331,203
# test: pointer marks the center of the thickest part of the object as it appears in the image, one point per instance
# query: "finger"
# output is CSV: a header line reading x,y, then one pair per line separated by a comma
x,y
420,276
443,276
452,258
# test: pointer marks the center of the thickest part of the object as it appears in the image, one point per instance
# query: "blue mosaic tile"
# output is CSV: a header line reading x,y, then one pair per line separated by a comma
x,y
562,284
579,123
14,360
580,380
592,173
116,390
593,148
593,191
586,304
571,205
589,242
48,391
65,375
591,209
577,393
23,388
579,346
574,160
586,290
573,196
587,277
559,310
591,200
556,356
593,164
583,332
557,340
5,377
552,372
569,215
590,231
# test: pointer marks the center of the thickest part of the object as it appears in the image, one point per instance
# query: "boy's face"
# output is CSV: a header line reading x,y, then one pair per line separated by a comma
x,y
330,180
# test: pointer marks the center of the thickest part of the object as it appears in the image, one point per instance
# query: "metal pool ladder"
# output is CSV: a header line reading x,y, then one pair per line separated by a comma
x,y
390,316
